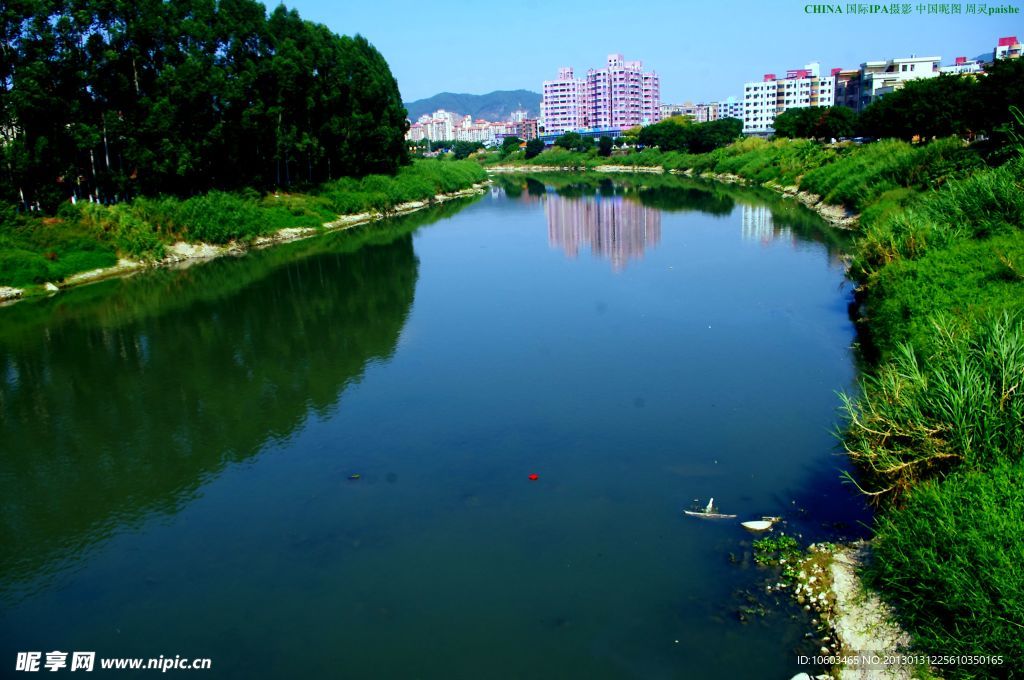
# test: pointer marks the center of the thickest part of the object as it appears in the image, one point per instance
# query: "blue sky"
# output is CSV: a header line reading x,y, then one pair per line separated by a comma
x,y
702,51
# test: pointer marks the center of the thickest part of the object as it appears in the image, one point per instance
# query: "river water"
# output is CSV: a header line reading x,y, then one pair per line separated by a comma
x,y
177,449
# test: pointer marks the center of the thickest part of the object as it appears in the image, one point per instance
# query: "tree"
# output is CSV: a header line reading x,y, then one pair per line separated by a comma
x,y
462,150
668,135
568,140
510,144
113,98
604,146
926,108
534,147
715,134
1001,88
816,122
794,123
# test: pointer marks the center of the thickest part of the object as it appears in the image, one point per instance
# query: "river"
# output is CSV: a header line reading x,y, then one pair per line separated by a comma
x,y
313,461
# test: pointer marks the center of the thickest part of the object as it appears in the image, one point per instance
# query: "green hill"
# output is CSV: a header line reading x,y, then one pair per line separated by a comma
x,y
491,106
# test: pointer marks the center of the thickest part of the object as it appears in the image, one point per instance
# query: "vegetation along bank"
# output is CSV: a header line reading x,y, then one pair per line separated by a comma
x,y
936,427
129,129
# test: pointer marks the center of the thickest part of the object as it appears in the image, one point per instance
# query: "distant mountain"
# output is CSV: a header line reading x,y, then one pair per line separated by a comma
x,y
491,106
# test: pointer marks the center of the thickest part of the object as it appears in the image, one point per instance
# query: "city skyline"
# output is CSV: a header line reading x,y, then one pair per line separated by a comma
x,y
701,53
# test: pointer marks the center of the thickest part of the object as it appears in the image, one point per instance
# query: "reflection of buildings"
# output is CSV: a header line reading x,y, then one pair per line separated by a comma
x,y
611,227
758,225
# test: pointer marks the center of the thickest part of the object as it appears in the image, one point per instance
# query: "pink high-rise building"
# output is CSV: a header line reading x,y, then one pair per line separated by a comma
x,y
620,95
563,107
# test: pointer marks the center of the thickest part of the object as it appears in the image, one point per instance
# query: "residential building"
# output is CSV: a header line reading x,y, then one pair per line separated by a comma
x,y
764,100
847,87
879,78
563,103
730,108
526,128
621,95
963,66
1007,48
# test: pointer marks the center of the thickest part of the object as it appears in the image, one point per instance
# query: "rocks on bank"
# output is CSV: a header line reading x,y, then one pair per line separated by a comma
x,y
856,624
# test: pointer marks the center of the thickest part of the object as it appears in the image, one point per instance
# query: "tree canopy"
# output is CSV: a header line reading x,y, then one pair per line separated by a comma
x,y
925,108
672,135
115,98
816,122
534,147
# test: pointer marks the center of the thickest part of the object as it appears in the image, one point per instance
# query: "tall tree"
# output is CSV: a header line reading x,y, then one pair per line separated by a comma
x,y
111,98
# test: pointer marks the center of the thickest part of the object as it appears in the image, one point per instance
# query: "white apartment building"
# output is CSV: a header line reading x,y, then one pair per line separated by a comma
x,y
730,108
879,78
764,100
963,66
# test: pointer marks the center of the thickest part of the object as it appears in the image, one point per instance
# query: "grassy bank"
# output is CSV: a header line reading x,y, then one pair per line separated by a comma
x,y
936,427
34,250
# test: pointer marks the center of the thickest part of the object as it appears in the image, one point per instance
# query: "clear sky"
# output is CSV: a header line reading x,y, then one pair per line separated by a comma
x,y
702,51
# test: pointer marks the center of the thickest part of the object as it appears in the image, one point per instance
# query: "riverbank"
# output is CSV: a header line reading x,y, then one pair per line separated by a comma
x,y
147,233
936,428
837,215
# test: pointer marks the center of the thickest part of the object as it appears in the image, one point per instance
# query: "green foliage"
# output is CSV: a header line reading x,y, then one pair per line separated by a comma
x,y
959,406
574,141
533,148
672,135
218,217
461,150
987,202
863,173
952,559
816,122
562,158
604,146
128,99
970,279
667,135
925,108
510,144
782,160
715,134
776,549
90,236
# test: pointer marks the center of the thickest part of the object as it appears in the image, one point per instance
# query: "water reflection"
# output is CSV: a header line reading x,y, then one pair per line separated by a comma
x,y
121,400
759,225
618,218
612,227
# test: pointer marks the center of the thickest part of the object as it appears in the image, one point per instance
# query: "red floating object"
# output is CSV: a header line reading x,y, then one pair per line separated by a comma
x,y
534,477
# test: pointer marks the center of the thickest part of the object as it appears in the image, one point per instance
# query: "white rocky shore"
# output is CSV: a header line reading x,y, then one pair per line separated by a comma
x,y
855,624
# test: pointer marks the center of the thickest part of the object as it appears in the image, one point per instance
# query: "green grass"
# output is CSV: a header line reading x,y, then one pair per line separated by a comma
x,y
969,279
860,175
952,559
905,224
959,406
89,236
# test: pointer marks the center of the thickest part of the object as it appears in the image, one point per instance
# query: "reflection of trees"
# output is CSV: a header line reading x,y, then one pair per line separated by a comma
x,y
123,409
611,227
680,198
